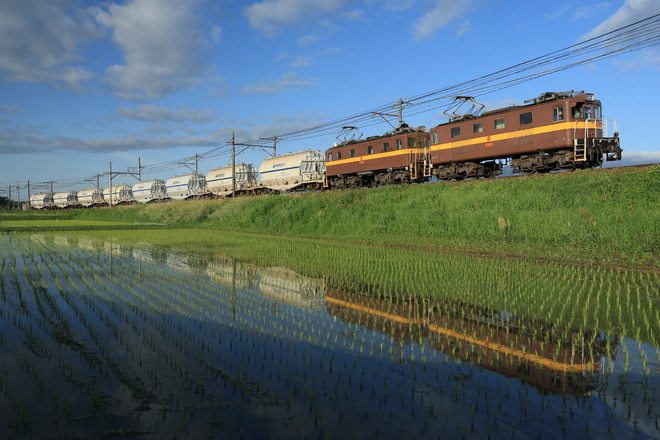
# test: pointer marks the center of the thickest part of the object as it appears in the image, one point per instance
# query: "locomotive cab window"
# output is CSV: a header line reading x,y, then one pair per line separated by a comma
x,y
386,147
455,132
434,137
399,144
338,155
370,149
329,157
558,114
499,123
352,152
478,127
525,118
412,143
577,111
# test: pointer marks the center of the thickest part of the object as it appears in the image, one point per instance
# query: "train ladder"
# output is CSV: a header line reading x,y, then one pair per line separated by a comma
x,y
580,144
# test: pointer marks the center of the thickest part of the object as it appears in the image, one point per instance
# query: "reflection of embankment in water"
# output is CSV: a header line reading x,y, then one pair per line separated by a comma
x,y
558,360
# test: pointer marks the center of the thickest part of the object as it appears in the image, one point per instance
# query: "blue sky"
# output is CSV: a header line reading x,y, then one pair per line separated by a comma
x,y
84,84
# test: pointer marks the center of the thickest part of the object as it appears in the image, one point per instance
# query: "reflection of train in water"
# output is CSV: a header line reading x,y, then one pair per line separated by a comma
x,y
557,361
277,283
555,131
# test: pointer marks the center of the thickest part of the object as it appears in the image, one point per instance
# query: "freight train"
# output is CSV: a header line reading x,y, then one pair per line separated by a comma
x,y
554,131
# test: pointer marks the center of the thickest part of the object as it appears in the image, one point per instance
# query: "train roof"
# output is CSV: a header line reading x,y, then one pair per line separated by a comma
x,y
541,99
402,129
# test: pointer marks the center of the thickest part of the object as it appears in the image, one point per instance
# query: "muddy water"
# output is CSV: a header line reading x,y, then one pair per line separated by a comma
x,y
101,339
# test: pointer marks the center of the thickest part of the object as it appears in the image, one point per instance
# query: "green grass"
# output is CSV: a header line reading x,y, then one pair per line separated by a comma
x,y
606,216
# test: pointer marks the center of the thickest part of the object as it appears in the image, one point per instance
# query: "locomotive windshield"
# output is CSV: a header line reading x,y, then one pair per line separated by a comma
x,y
588,111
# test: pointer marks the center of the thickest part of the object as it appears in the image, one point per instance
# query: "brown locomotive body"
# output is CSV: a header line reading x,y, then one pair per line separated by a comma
x,y
400,156
557,131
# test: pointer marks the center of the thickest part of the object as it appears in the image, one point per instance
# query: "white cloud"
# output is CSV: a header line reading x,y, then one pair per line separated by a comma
x,y
9,109
217,34
40,42
631,12
301,61
270,86
590,10
464,28
442,13
559,12
640,157
269,16
164,51
153,113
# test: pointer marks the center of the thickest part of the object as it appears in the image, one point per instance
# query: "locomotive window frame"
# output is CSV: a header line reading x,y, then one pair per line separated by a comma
x,y
455,132
370,149
434,137
338,155
412,142
526,118
329,157
399,144
352,152
558,114
386,147
478,127
499,124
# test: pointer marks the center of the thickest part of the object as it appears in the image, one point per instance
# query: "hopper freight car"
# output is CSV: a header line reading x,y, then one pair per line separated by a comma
x,y
42,201
556,131
65,199
301,171
149,191
399,156
186,186
219,180
118,194
91,197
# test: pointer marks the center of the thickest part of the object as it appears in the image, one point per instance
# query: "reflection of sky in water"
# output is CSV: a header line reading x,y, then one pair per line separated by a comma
x,y
141,338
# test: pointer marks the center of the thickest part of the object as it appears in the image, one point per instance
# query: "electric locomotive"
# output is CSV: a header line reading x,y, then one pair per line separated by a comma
x,y
399,156
554,131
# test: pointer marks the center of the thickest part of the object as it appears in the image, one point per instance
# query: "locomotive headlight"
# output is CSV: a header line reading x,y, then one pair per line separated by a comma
x,y
590,97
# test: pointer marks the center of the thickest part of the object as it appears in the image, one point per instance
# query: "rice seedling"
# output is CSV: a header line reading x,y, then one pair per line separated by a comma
x,y
190,334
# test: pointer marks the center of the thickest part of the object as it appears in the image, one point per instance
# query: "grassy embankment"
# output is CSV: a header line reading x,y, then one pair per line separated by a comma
x,y
611,216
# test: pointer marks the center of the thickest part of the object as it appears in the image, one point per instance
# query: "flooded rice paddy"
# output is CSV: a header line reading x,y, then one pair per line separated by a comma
x,y
106,339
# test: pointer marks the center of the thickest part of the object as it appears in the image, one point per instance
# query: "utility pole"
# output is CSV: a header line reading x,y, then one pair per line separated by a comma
x,y
399,114
110,182
233,165
233,157
129,172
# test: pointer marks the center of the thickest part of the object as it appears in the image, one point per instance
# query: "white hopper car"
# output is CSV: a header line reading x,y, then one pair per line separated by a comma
x,y
65,199
149,191
42,201
304,170
118,194
219,180
91,197
186,186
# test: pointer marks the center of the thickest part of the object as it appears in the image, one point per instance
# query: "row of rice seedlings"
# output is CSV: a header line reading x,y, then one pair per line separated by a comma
x,y
243,335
